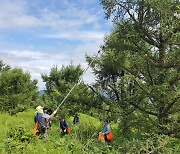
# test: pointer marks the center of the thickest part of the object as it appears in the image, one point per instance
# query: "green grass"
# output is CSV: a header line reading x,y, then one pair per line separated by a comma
x,y
81,138
16,137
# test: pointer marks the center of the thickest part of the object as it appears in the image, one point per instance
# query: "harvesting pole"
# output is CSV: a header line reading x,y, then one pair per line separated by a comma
x,y
75,85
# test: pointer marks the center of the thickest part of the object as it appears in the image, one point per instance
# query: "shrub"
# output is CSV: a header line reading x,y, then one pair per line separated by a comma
x,y
18,133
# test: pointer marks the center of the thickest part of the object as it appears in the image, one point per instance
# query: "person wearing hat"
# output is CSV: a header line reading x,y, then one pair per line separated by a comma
x,y
39,113
39,109
106,134
41,122
44,123
76,119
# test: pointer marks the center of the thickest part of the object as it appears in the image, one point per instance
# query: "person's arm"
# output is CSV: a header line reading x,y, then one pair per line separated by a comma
x,y
50,123
67,125
52,115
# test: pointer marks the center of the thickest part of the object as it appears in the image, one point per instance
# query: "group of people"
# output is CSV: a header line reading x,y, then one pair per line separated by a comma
x,y
43,123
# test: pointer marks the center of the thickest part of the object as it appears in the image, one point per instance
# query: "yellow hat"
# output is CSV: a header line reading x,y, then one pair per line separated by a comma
x,y
39,109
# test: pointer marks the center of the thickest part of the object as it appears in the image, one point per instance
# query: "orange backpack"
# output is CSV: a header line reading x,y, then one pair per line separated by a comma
x,y
35,129
68,130
110,136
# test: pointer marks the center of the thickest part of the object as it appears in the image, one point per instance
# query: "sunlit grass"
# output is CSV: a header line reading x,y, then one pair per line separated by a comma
x,y
16,137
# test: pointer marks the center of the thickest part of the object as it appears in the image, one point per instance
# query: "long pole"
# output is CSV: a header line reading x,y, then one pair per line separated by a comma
x,y
77,82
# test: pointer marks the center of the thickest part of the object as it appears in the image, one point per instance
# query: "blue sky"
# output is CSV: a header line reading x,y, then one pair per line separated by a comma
x,y
35,35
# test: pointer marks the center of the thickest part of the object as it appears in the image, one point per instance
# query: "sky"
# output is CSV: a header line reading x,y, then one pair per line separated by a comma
x,y
36,35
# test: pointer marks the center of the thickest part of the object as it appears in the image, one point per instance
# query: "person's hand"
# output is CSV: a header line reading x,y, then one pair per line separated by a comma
x,y
54,112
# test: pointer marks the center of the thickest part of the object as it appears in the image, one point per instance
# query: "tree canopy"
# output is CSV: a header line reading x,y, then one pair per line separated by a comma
x,y
59,82
17,90
139,67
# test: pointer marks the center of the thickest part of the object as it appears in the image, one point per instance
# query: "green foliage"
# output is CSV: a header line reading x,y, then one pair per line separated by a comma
x,y
58,84
139,68
16,137
17,90
19,134
4,67
137,89
60,79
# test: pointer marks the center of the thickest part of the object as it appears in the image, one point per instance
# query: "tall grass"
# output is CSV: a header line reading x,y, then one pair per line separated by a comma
x,y
16,137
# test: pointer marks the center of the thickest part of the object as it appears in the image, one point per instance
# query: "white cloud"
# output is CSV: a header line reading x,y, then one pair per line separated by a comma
x,y
37,63
16,15
69,23
13,15
25,21
48,21
25,54
78,35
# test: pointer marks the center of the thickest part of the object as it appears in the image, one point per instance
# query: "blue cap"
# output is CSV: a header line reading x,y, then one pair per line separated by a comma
x,y
105,120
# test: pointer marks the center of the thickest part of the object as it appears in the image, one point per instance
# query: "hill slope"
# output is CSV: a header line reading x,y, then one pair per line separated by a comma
x,y
16,137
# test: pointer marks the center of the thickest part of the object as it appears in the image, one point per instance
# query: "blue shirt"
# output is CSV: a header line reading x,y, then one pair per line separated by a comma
x,y
37,117
76,120
106,129
63,125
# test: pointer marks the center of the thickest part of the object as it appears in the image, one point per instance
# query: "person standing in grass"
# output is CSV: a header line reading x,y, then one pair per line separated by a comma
x,y
64,129
106,134
48,118
39,113
42,122
76,119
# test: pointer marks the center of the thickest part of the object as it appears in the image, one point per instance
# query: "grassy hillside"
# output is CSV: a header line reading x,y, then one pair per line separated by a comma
x,y
16,137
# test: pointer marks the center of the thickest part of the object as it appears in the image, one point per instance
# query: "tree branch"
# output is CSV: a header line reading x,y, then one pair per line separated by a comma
x,y
143,110
148,70
176,79
170,106
115,91
141,86
95,92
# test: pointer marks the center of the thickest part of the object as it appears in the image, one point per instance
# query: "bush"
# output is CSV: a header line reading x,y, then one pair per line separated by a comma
x,y
18,133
